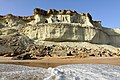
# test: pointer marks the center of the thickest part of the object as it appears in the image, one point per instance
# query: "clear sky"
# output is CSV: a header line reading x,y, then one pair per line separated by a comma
x,y
108,11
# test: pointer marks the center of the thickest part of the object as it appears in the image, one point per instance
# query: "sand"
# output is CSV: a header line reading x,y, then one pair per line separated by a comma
x,y
56,61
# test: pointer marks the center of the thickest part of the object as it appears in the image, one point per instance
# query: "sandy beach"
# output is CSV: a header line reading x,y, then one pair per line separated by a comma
x,y
56,61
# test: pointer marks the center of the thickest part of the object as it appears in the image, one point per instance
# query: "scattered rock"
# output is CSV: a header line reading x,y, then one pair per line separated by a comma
x,y
69,54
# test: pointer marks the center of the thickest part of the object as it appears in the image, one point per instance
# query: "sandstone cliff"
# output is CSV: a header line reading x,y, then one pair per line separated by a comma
x,y
54,26
60,26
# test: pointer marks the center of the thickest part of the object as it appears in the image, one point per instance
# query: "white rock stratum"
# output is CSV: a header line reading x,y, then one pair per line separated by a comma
x,y
73,32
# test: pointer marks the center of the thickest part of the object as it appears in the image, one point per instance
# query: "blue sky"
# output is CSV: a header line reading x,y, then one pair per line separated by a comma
x,y
105,10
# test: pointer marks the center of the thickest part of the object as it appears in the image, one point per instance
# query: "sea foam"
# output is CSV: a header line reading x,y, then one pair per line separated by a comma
x,y
63,72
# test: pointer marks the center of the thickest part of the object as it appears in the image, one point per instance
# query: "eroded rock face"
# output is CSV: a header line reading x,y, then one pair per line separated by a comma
x,y
62,16
50,16
66,32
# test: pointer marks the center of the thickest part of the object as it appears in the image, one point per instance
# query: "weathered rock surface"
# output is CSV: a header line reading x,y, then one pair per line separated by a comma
x,y
66,32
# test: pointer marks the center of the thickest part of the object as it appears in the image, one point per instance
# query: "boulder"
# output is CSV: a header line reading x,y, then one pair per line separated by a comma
x,y
69,54
24,56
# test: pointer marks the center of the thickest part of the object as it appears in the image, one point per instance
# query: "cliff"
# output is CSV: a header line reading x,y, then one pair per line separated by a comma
x,y
58,26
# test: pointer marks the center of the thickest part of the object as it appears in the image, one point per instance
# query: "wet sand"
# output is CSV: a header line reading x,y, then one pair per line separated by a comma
x,y
56,61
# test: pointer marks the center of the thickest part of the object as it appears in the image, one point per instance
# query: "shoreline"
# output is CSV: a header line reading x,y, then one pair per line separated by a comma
x,y
46,62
